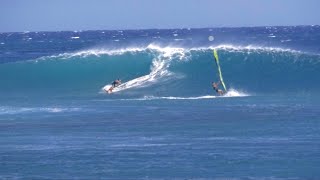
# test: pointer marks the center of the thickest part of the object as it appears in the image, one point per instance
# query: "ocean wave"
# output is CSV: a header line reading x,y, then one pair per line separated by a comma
x,y
166,72
170,51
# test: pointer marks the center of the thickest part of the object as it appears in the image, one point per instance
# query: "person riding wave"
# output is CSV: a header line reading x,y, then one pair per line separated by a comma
x,y
116,83
216,88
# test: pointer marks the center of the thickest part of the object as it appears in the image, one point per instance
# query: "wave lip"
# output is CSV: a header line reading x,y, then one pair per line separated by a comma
x,y
168,51
254,48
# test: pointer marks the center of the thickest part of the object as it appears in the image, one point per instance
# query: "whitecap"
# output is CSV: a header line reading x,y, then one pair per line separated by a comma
x,y
167,51
234,93
287,40
19,110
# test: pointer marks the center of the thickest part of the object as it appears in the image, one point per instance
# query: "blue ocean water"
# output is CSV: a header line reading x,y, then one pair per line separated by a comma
x,y
165,121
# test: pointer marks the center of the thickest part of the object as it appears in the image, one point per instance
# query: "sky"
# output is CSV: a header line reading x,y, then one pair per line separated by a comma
x,y
58,15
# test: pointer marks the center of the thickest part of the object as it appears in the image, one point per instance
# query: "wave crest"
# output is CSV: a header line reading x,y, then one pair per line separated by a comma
x,y
170,52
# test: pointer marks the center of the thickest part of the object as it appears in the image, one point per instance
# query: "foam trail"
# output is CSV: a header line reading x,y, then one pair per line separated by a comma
x,y
159,67
177,98
147,98
158,70
230,93
235,93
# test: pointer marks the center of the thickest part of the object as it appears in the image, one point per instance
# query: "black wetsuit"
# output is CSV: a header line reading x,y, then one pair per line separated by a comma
x,y
114,83
216,89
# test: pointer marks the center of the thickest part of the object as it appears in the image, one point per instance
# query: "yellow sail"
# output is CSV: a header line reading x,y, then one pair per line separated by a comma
x,y
219,69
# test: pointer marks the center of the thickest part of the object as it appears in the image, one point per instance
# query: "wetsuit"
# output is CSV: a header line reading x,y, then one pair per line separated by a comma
x,y
114,84
216,89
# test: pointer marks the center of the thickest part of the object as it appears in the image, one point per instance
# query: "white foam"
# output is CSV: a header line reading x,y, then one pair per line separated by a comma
x,y
96,52
159,68
230,93
287,40
19,110
234,93
75,37
167,51
231,47
178,98
158,71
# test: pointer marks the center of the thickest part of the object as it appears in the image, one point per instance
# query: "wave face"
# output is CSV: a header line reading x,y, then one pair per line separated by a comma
x,y
178,67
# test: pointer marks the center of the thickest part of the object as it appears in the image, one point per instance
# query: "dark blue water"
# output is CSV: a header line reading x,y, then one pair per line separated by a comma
x,y
165,122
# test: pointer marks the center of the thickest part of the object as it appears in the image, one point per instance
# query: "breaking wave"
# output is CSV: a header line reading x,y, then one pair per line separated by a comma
x,y
164,72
